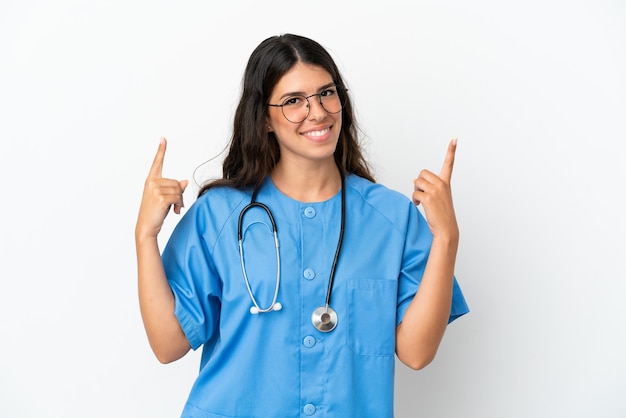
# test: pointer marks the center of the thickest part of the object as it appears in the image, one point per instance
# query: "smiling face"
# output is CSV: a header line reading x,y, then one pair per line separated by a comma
x,y
312,141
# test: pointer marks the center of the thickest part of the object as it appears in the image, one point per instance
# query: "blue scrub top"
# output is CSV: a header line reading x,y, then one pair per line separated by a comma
x,y
277,364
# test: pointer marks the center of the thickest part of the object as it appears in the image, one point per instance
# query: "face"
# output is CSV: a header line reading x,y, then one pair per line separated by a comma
x,y
312,141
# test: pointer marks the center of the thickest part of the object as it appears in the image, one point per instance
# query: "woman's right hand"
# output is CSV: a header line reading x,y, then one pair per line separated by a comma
x,y
156,299
159,194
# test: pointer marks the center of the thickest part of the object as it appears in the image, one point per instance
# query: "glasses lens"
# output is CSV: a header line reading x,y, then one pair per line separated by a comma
x,y
331,100
296,109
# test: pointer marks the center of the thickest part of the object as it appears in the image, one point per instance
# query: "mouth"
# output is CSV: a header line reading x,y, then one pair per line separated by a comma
x,y
317,134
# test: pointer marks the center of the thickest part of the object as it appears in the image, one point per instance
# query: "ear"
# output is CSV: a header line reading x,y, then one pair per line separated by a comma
x,y
268,126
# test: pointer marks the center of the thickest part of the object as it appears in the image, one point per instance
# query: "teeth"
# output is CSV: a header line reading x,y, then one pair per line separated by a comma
x,y
317,133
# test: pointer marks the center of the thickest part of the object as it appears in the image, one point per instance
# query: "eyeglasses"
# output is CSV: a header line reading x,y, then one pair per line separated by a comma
x,y
296,108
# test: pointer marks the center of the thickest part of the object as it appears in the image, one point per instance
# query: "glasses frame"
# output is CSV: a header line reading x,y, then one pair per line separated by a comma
x,y
308,105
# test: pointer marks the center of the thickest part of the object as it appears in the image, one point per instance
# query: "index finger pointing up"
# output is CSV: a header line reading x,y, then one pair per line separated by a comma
x,y
448,162
156,171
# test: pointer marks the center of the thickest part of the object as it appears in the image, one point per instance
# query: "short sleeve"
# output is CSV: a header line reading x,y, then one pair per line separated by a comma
x,y
192,276
417,248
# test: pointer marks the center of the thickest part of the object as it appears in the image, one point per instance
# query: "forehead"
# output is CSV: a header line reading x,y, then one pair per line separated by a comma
x,y
302,78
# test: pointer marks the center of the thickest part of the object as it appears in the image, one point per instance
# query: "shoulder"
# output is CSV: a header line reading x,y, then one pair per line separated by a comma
x,y
216,206
376,194
377,206
222,196
374,199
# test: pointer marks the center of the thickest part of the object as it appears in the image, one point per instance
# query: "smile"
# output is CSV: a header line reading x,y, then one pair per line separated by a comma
x,y
317,133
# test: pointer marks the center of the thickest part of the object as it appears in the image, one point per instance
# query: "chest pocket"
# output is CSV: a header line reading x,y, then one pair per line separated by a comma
x,y
194,412
372,315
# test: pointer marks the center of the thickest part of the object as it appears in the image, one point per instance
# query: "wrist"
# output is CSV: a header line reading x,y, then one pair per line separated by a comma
x,y
449,239
143,235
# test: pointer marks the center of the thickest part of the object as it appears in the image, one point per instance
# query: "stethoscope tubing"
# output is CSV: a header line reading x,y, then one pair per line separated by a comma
x,y
324,318
331,279
274,305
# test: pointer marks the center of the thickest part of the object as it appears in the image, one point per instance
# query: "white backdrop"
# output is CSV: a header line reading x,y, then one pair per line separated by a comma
x,y
534,90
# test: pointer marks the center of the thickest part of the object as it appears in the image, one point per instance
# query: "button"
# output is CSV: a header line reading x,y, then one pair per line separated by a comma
x,y
308,341
309,212
309,274
309,409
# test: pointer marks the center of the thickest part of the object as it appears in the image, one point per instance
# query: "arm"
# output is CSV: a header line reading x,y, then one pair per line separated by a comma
x,y
156,299
422,328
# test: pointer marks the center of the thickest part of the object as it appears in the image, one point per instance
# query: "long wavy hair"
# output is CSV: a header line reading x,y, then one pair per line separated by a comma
x,y
254,152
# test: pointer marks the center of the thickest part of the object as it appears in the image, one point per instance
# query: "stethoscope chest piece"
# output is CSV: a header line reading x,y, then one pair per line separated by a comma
x,y
324,318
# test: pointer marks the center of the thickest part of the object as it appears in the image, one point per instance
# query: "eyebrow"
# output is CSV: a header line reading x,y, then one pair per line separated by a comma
x,y
301,93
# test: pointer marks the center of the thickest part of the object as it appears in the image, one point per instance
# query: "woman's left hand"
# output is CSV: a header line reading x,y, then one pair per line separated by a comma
x,y
419,334
433,192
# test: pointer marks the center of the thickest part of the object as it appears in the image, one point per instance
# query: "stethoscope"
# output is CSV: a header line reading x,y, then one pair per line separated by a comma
x,y
324,318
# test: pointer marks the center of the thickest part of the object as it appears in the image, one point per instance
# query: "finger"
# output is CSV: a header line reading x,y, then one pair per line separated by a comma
x,y
417,194
168,188
156,171
448,162
180,204
419,186
426,176
183,185
422,185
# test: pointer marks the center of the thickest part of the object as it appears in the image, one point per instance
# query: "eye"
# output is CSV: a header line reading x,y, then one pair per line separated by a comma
x,y
294,101
330,91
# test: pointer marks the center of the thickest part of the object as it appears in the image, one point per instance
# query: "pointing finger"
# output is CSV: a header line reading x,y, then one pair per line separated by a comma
x,y
156,171
448,162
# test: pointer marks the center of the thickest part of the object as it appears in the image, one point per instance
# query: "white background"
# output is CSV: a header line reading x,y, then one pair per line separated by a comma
x,y
534,90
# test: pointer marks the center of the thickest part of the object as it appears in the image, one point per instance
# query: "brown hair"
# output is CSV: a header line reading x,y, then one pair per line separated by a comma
x,y
253,151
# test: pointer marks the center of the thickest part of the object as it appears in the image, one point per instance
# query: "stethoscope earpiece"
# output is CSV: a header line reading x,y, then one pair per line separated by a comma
x,y
275,306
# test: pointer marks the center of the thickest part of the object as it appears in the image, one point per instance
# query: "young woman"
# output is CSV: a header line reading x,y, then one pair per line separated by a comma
x,y
297,274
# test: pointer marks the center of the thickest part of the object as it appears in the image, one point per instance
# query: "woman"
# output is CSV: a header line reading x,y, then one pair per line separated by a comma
x,y
306,323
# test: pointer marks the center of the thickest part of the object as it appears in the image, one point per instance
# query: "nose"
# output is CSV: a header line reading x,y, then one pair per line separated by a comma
x,y
316,110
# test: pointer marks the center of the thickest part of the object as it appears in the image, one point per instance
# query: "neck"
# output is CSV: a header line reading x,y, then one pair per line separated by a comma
x,y
312,184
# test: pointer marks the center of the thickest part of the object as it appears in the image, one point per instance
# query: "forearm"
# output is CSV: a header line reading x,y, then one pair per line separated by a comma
x,y
419,334
157,303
